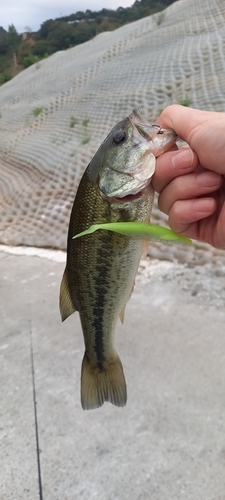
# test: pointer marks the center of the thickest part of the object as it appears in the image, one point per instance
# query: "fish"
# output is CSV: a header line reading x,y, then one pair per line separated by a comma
x,y
101,267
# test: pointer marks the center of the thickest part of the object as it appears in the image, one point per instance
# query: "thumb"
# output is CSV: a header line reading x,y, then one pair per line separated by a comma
x,y
202,130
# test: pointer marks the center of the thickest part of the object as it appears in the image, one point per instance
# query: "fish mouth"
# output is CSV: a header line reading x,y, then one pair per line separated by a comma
x,y
137,119
130,197
142,129
157,138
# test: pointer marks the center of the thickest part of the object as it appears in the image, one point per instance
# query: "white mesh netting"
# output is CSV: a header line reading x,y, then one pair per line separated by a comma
x,y
79,94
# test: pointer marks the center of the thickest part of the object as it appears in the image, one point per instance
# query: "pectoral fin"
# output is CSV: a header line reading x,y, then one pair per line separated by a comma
x,y
145,248
122,313
65,302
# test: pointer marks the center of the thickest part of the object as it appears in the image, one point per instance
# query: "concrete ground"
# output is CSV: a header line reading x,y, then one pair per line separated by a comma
x,y
168,443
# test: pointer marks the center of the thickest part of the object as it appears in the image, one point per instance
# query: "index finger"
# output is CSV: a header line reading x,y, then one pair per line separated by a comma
x,y
173,164
202,130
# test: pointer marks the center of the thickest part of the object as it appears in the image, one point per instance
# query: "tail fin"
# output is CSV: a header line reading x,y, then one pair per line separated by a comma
x,y
100,385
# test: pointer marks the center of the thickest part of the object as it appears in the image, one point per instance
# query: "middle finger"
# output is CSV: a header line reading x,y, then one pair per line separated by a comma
x,y
173,164
189,186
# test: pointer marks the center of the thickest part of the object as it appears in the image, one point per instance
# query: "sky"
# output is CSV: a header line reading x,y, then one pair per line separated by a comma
x,y
33,13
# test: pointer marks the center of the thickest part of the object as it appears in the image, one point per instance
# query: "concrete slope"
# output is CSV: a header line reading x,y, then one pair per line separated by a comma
x,y
55,114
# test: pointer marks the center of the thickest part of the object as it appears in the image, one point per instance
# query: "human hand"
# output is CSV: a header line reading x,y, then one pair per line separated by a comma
x,y
191,181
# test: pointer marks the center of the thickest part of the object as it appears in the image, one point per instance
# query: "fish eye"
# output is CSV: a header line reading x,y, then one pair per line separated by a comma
x,y
119,137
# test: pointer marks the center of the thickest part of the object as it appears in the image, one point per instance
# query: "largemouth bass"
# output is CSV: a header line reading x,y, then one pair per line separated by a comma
x,y
100,271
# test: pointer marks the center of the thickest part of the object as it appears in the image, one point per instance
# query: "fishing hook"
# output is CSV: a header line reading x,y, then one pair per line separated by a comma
x,y
160,131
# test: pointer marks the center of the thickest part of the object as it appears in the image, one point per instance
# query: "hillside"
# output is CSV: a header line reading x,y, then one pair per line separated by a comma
x,y
55,114
68,31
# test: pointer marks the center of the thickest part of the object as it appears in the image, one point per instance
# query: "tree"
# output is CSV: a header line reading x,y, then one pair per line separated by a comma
x,y
3,43
41,48
13,38
46,28
61,36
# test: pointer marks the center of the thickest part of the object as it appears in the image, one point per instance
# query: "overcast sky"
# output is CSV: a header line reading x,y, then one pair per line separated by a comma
x,y
33,13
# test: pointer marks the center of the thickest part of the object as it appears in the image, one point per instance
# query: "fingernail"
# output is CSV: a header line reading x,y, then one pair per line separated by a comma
x,y
208,179
183,159
204,205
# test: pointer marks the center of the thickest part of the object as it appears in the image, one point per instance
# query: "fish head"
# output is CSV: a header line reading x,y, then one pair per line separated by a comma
x,y
128,156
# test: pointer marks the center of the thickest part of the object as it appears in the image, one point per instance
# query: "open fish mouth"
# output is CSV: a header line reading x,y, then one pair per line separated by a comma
x,y
143,125
156,136
129,198
134,195
136,118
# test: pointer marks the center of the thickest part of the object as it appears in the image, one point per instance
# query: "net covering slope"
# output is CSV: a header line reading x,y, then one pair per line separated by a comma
x,y
55,114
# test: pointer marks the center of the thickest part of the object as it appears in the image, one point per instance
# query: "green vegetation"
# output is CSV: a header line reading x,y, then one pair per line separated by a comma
x,y
185,102
37,111
29,60
4,77
85,140
85,122
9,44
68,31
73,122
